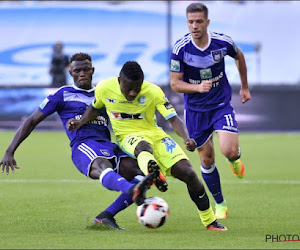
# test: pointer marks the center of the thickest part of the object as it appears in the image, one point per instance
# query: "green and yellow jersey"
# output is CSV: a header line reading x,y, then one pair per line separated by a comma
x,y
137,116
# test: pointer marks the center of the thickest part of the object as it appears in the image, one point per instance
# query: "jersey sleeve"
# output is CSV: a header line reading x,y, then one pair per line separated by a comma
x,y
164,107
232,48
51,103
176,64
97,103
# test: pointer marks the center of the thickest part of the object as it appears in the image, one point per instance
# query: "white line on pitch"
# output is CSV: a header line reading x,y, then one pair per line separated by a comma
x,y
265,182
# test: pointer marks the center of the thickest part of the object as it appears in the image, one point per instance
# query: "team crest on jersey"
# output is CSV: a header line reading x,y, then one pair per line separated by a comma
x,y
217,55
104,152
175,65
169,143
141,99
110,100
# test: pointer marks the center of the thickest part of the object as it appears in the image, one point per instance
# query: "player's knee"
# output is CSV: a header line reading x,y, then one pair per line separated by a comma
x,y
94,174
129,168
191,177
231,153
185,173
143,146
193,182
97,167
207,161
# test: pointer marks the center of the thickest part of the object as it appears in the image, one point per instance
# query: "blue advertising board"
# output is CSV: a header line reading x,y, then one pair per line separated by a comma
x,y
116,31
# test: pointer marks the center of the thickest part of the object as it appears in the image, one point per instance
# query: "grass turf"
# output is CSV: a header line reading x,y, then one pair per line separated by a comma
x,y
47,203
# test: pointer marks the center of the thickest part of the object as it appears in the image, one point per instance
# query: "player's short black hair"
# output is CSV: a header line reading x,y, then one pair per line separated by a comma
x,y
197,7
133,71
80,57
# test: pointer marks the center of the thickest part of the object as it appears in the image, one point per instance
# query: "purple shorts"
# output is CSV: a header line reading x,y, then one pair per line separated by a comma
x,y
84,153
201,125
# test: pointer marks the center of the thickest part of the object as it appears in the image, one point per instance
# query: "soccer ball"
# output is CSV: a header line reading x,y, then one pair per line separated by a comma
x,y
153,213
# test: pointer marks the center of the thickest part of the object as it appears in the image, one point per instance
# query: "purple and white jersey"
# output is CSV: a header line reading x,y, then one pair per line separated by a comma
x,y
198,64
71,102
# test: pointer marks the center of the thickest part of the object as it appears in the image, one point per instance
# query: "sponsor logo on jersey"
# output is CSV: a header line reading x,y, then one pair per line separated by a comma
x,y
205,74
100,120
125,102
190,59
175,65
110,100
168,105
217,55
192,81
44,103
127,116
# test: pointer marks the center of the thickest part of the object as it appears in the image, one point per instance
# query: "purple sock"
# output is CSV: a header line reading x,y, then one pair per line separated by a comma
x,y
212,180
123,201
113,181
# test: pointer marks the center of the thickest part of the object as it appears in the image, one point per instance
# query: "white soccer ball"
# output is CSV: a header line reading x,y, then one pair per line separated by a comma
x,y
153,213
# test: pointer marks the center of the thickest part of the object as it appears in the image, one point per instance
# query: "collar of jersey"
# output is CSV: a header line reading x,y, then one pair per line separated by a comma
x,y
209,41
87,90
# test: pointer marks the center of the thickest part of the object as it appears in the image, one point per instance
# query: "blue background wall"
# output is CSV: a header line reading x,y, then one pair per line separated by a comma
x,y
140,30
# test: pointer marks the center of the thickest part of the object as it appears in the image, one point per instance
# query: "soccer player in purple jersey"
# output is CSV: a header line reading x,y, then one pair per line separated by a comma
x,y
93,153
198,70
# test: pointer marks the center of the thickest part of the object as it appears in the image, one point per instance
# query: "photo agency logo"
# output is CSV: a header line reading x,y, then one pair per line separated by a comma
x,y
272,238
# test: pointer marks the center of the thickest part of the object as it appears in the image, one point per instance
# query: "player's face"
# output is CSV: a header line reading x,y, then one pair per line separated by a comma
x,y
82,73
197,24
130,89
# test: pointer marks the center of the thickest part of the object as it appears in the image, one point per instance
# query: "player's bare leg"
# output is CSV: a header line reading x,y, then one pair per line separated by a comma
x,y
229,146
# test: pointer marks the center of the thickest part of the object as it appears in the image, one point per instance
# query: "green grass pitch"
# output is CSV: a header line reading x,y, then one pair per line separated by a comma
x,y
48,204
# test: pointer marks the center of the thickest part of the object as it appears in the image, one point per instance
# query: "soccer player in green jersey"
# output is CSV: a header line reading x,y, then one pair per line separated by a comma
x,y
130,104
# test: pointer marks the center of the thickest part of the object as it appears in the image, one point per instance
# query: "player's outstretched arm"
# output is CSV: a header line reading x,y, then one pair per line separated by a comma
x,y
8,160
242,68
90,114
180,129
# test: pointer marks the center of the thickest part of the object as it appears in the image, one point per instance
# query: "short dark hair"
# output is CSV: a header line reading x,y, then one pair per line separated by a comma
x,y
80,57
133,71
197,7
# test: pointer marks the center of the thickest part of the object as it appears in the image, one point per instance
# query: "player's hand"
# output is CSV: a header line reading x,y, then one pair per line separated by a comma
x,y
205,86
7,162
73,124
245,95
190,144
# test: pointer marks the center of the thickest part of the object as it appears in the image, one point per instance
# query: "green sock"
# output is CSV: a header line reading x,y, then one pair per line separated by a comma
x,y
207,216
143,158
